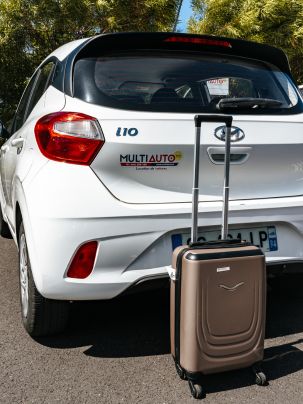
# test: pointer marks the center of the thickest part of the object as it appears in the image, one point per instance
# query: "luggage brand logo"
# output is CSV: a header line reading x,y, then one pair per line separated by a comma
x,y
237,134
223,269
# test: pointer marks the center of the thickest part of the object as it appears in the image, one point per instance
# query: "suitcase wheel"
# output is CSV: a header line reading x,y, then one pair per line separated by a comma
x,y
196,390
261,379
180,372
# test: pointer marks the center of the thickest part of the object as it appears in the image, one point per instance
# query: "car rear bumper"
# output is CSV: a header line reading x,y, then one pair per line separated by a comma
x,y
139,252
134,239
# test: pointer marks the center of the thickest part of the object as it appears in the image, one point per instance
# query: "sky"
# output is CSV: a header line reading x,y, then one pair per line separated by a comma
x,y
185,13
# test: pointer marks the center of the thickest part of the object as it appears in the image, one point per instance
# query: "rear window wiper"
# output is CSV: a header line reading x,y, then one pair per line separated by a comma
x,y
248,102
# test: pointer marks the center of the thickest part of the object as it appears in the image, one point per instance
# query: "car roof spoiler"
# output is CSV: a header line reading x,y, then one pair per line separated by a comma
x,y
175,41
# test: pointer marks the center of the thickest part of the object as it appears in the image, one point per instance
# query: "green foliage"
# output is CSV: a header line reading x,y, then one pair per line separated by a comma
x,y
275,22
31,29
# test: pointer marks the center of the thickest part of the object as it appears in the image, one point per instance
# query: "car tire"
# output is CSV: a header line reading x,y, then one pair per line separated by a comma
x,y
4,229
40,316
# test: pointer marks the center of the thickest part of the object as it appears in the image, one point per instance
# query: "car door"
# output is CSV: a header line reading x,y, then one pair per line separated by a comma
x,y
32,95
7,151
5,135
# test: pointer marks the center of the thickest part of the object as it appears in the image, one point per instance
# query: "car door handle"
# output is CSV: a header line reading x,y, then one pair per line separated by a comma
x,y
4,149
18,142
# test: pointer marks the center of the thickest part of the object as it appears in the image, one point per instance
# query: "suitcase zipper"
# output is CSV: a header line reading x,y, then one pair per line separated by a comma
x,y
177,303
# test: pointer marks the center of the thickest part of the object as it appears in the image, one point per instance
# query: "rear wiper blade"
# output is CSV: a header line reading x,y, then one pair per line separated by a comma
x,y
248,102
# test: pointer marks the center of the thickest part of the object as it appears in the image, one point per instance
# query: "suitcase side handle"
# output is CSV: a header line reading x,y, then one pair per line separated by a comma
x,y
227,119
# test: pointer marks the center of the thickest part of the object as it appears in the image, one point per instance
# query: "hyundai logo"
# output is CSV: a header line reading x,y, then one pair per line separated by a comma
x,y
237,134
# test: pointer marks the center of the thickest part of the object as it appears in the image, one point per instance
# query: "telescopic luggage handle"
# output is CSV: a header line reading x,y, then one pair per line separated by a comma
x,y
227,119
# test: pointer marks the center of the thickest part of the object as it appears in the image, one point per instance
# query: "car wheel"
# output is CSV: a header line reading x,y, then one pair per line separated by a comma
x,y
4,229
40,316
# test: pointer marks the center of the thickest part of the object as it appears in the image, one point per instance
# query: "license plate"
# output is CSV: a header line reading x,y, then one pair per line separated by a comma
x,y
263,237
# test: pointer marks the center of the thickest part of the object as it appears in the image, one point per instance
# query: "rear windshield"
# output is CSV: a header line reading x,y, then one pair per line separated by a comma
x,y
184,83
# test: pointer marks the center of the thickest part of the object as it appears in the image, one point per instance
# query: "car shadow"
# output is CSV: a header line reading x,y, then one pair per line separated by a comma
x,y
129,326
138,325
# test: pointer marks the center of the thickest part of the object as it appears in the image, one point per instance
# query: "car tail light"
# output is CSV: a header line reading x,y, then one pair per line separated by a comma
x,y
69,137
199,41
83,261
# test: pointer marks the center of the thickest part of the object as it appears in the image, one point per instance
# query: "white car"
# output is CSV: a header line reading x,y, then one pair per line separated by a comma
x,y
96,176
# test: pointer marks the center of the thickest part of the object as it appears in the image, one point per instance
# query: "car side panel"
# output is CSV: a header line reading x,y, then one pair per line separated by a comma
x,y
19,162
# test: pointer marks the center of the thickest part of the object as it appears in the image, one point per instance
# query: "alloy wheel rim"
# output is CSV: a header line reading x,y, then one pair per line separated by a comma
x,y
23,267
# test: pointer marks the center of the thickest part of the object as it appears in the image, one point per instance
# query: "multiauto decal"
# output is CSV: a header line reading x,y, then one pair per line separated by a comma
x,y
127,131
150,160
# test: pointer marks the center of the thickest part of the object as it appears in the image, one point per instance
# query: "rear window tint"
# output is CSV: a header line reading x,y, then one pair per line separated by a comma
x,y
181,83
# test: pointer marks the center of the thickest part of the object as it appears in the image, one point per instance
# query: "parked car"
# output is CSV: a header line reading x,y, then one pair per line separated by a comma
x,y
96,171
301,89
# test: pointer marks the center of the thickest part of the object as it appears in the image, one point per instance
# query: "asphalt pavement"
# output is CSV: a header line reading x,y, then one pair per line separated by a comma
x,y
118,351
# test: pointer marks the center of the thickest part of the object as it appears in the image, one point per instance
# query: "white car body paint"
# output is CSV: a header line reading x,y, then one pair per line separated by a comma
x,y
131,213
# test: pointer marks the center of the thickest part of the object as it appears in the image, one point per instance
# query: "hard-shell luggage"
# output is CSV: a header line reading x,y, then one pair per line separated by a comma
x,y
218,294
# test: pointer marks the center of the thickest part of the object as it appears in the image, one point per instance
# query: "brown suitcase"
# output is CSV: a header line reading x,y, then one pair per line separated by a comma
x,y
218,295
